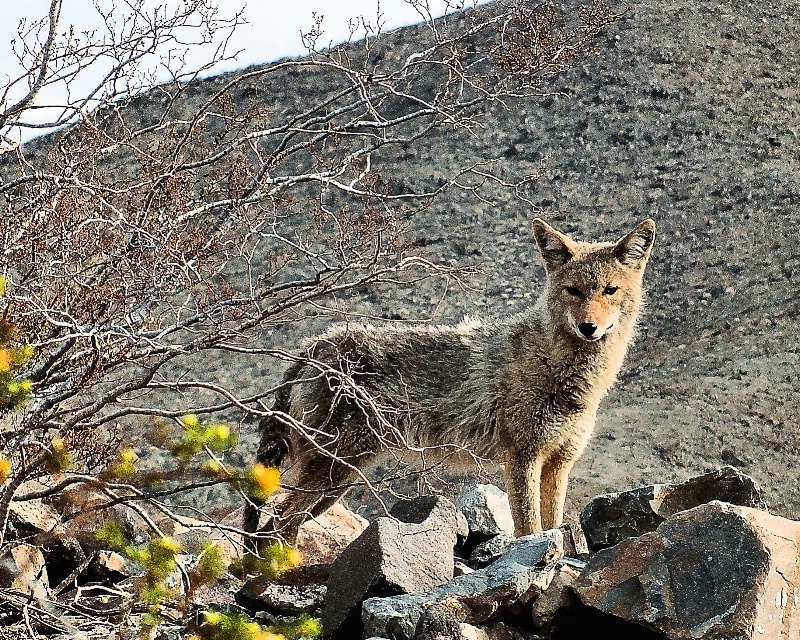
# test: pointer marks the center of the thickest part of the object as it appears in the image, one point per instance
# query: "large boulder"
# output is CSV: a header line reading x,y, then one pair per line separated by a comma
x,y
716,571
517,577
613,517
391,557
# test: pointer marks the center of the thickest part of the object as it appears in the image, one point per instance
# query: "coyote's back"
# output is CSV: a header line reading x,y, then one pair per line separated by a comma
x,y
522,392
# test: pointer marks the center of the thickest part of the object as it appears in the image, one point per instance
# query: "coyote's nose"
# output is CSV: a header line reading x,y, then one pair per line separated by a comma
x,y
587,329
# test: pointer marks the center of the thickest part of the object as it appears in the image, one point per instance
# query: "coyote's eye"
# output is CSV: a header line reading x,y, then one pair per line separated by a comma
x,y
573,291
610,290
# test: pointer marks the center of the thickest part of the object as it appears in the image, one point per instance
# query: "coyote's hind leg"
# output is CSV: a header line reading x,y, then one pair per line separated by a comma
x,y
321,481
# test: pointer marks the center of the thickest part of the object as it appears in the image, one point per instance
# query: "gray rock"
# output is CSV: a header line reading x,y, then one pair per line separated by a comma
x,y
433,511
717,571
438,622
490,550
290,600
299,590
391,557
487,510
613,517
525,569
575,545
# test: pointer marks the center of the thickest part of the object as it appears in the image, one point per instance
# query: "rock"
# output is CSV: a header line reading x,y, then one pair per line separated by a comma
x,y
389,557
556,602
487,510
613,517
468,632
299,590
726,484
716,571
64,557
109,567
438,622
221,593
84,511
461,568
525,569
575,545
435,511
33,516
289,600
324,537
502,631
192,534
23,569
490,550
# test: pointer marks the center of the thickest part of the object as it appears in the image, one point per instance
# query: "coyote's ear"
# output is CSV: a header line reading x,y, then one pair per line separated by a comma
x,y
634,249
555,247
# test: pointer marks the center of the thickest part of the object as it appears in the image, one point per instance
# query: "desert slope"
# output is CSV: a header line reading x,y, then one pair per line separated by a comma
x,y
689,115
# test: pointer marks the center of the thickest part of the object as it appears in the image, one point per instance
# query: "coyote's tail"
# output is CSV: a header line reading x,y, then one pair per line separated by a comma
x,y
275,443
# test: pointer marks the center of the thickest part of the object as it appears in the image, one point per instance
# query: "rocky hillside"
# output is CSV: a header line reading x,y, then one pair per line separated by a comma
x,y
689,115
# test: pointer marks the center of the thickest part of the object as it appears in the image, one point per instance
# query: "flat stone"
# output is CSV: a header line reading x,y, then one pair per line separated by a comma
x,y
717,571
521,573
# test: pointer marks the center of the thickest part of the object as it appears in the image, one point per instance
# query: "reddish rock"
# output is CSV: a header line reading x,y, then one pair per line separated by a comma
x,y
23,569
323,538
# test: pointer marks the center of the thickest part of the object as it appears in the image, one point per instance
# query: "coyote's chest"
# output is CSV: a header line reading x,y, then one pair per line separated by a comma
x,y
551,407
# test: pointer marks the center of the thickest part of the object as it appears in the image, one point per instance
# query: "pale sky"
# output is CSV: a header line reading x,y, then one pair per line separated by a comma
x,y
273,32
273,29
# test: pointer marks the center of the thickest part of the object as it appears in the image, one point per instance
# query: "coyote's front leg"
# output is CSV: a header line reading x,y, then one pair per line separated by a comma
x,y
553,490
523,478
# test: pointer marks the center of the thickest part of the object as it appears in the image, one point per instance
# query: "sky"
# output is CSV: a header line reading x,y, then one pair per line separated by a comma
x,y
273,28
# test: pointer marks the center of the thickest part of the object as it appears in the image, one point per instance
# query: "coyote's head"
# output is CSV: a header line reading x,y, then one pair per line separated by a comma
x,y
594,289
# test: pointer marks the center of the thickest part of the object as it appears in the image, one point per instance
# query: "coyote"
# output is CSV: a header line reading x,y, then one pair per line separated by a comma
x,y
522,391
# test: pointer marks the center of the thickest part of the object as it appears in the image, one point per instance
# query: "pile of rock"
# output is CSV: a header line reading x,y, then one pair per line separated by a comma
x,y
701,559
697,560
